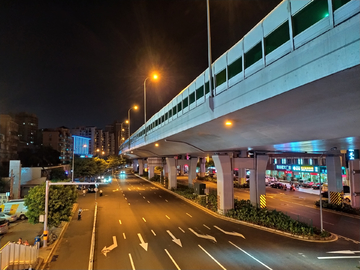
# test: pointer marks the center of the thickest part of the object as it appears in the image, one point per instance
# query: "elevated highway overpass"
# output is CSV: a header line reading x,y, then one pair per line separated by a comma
x,y
291,84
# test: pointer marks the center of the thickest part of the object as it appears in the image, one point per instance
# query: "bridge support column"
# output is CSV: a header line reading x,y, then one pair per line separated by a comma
x,y
135,165
202,166
165,170
242,176
181,169
354,177
334,176
171,165
141,166
225,185
192,171
257,181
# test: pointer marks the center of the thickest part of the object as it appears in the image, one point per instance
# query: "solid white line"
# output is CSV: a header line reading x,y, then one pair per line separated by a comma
x,y
339,257
206,227
124,235
172,259
144,219
167,216
131,261
181,230
250,255
153,232
212,257
120,221
189,215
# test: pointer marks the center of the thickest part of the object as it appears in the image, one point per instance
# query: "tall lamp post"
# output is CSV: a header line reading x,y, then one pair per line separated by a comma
x,y
129,123
155,77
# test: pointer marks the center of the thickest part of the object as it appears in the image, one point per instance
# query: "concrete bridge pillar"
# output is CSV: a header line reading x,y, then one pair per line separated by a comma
x,y
202,166
334,177
354,177
225,185
257,181
181,169
152,163
192,170
135,165
165,170
141,166
242,176
171,165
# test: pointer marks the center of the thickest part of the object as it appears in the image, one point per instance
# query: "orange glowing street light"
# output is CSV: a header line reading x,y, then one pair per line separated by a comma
x,y
155,77
135,107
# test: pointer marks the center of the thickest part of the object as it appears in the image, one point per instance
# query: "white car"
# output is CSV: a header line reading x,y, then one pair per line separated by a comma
x,y
8,217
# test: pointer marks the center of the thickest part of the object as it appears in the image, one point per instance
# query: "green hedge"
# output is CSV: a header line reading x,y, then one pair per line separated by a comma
x,y
245,211
339,207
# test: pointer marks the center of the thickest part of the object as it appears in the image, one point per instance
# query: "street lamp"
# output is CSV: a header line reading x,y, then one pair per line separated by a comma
x,y
135,108
155,77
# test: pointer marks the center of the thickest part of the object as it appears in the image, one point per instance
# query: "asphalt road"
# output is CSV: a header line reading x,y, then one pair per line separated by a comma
x,y
141,226
300,205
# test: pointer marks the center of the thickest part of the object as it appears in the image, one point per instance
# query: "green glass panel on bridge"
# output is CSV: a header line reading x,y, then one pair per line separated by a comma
x,y
235,67
277,38
192,97
174,110
339,3
185,102
220,77
166,116
170,113
253,55
309,15
207,88
199,92
179,107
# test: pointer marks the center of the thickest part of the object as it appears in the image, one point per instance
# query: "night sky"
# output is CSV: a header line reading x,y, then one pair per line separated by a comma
x,y
78,62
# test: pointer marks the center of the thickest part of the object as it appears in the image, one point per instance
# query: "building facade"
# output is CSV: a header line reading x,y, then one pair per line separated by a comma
x,y
88,132
59,139
8,138
27,129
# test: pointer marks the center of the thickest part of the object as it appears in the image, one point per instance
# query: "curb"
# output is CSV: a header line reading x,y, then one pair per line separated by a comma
x,y
330,239
43,262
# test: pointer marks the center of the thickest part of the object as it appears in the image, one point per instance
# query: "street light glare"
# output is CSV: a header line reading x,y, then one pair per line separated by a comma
x,y
136,107
155,76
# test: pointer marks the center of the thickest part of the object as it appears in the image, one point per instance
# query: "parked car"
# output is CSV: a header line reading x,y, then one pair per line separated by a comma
x,y
308,184
316,186
277,185
8,217
4,226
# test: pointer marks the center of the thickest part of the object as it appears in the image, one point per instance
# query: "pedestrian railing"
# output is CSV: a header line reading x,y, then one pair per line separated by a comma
x,y
16,254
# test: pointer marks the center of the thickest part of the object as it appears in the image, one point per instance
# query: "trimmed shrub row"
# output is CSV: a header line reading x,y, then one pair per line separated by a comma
x,y
347,208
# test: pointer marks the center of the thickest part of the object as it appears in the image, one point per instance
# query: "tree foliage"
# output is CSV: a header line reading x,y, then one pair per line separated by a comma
x,y
87,167
61,200
58,174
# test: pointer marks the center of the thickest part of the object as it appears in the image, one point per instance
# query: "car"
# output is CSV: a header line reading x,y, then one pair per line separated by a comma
x,y
277,185
4,226
308,184
122,172
8,217
316,186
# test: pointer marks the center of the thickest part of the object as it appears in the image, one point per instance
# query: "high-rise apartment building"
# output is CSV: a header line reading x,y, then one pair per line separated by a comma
x,y
28,129
89,132
8,138
59,139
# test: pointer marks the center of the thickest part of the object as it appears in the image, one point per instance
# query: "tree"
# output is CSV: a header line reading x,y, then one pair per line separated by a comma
x,y
61,200
40,157
87,167
115,161
58,174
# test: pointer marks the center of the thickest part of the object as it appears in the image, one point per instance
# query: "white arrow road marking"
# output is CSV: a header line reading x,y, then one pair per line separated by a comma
x,y
142,244
131,261
212,257
250,256
230,233
105,250
203,236
206,227
344,252
174,239
171,258
339,257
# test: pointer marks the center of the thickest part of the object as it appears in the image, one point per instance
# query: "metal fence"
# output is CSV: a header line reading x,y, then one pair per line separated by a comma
x,y
16,254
